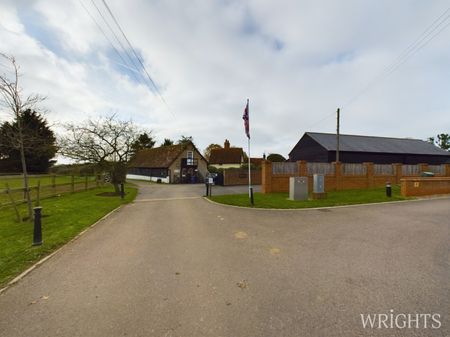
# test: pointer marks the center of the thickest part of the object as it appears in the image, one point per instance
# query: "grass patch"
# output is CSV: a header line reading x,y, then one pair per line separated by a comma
x,y
45,180
334,198
63,218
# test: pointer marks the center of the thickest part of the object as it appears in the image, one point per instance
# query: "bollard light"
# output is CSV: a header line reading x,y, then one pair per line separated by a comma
x,y
122,191
388,189
37,233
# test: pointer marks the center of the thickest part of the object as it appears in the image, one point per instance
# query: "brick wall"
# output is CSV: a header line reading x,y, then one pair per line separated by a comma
x,y
425,186
338,181
240,177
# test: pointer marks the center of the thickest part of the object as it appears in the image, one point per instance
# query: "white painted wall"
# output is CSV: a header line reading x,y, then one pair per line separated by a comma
x,y
147,178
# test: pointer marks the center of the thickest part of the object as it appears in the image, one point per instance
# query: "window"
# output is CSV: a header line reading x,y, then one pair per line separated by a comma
x,y
190,158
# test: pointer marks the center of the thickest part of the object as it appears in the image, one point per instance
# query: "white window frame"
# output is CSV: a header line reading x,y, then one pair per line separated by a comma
x,y
190,158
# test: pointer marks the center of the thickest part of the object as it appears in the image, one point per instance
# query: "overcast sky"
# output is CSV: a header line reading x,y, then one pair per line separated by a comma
x,y
297,61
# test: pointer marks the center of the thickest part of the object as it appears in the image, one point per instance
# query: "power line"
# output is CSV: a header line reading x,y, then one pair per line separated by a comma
x,y
424,38
431,32
136,55
320,121
111,43
421,37
115,36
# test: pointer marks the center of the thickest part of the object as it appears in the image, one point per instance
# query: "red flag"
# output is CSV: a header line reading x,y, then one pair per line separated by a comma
x,y
246,118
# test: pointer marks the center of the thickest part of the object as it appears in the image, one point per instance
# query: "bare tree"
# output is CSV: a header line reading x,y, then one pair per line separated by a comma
x,y
106,142
13,100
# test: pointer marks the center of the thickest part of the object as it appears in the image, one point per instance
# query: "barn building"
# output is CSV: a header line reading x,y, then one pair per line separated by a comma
x,y
321,147
181,163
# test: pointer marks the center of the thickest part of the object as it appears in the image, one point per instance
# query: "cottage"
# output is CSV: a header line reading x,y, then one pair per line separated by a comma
x,y
228,157
321,147
181,163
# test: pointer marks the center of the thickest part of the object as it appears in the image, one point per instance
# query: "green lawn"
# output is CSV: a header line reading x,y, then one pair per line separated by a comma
x,y
63,218
62,184
335,198
17,181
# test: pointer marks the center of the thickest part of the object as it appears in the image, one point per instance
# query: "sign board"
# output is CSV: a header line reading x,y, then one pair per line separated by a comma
x,y
210,181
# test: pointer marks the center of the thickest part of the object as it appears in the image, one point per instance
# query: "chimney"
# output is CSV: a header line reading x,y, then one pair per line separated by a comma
x,y
226,145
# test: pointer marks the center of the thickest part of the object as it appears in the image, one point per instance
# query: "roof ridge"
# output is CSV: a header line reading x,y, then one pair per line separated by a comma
x,y
365,136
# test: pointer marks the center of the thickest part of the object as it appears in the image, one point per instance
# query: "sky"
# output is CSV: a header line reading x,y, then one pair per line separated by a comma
x,y
296,61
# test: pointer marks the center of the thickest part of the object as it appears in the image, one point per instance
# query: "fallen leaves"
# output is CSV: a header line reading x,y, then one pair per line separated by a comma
x,y
242,284
241,235
43,297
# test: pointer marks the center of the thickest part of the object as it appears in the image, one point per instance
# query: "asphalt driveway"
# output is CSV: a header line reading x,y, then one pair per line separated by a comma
x,y
174,264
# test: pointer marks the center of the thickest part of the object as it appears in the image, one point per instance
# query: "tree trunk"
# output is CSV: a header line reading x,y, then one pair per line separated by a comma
x,y
25,173
117,188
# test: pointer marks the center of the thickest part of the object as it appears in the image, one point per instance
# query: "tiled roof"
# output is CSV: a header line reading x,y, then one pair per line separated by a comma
x,y
232,155
354,143
159,157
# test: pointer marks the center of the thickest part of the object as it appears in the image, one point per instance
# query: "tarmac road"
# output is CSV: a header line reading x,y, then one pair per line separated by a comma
x,y
174,264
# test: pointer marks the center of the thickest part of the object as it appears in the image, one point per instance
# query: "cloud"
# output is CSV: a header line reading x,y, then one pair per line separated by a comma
x,y
297,61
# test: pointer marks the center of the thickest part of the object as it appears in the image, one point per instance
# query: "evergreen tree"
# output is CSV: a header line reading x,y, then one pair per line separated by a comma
x,y
39,143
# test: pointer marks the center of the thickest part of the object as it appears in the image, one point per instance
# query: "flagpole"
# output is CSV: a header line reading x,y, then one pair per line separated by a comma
x,y
249,173
250,188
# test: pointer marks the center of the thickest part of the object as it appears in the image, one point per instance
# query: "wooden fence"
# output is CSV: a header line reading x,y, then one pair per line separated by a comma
x,y
44,187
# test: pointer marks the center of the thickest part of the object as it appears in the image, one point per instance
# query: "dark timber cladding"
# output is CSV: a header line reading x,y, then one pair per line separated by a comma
x,y
321,147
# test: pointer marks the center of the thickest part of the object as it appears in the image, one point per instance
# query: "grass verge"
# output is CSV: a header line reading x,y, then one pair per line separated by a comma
x,y
63,218
334,198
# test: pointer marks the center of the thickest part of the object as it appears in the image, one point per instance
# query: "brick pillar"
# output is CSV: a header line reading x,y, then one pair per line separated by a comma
x,y
338,174
403,188
398,172
266,177
302,168
447,170
369,174
423,167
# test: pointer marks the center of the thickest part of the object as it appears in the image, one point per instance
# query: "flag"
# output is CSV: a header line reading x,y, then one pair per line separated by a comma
x,y
246,119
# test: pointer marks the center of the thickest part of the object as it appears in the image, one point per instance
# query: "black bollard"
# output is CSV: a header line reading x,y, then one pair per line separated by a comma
x,y
251,196
207,188
37,233
388,189
122,191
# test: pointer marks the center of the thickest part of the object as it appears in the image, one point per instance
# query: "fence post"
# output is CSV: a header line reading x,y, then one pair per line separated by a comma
x,y
54,184
73,183
447,170
338,174
266,177
13,202
369,174
224,173
38,193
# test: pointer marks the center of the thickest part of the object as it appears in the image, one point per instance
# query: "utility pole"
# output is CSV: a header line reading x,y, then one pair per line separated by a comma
x,y
337,134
